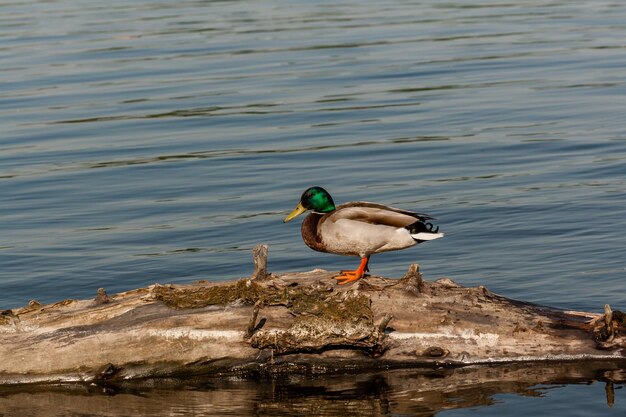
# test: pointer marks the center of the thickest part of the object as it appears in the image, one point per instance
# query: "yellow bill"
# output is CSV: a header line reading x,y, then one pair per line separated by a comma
x,y
298,211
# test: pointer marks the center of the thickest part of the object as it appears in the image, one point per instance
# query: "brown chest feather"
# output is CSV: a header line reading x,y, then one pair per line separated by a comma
x,y
309,232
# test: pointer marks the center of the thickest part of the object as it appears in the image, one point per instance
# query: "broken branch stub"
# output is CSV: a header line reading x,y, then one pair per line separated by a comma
x,y
252,323
412,281
101,297
609,330
259,254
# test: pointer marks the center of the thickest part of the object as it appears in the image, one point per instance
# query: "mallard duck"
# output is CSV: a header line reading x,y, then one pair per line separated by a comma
x,y
359,228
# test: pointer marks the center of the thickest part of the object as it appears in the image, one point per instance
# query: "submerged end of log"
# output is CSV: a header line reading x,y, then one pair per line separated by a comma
x,y
294,322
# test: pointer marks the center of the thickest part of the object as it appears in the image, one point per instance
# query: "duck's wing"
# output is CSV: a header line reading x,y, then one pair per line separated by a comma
x,y
379,214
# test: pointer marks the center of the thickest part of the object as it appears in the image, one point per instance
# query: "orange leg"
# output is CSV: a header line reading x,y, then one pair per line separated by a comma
x,y
349,276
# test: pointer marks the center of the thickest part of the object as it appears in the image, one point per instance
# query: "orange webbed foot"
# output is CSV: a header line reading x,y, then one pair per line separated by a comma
x,y
348,276
351,276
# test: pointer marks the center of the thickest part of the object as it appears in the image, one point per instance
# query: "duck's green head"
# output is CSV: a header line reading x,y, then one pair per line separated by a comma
x,y
314,198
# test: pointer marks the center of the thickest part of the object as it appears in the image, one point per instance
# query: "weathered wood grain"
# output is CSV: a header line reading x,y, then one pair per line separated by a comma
x,y
294,322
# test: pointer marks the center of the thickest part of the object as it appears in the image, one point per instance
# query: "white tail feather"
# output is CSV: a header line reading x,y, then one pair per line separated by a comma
x,y
426,236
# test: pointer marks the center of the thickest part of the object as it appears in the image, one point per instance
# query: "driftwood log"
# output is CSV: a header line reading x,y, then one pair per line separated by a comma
x,y
294,323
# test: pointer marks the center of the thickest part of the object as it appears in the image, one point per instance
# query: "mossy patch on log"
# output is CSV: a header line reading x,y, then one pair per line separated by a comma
x,y
340,320
300,300
245,291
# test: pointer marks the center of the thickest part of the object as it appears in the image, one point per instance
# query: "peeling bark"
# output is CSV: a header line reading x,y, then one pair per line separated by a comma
x,y
296,322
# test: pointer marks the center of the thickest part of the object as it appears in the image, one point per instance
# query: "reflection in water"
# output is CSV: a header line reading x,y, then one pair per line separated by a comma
x,y
419,392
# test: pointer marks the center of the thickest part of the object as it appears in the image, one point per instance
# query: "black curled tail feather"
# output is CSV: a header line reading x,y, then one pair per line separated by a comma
x,y
422,227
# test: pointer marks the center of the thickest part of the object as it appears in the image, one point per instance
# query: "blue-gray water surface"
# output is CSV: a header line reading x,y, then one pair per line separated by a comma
x,y
158,141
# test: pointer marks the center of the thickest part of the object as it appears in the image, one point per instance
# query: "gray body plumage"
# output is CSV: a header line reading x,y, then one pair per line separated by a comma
x,y
362,229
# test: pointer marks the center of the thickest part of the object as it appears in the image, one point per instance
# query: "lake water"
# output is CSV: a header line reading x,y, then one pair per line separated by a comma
x,y
159,141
